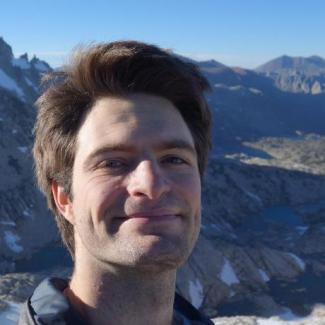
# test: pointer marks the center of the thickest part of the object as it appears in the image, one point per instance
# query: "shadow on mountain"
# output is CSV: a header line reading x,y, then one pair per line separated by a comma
x,y
47,258
269,223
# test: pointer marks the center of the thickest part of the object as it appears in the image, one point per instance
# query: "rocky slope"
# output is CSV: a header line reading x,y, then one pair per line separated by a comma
x,y
21,205
296,74
248,105
261,249
262,245
20,76
317,317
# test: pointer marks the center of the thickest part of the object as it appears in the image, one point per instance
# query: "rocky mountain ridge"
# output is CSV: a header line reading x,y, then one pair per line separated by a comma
x,y
296,74
20,76
21,205
312,65
248,105
261,248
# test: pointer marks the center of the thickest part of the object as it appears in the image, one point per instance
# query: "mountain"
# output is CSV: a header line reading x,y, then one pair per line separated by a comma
x,y
20,76
21,205
261,249
296,74
311,65
248,105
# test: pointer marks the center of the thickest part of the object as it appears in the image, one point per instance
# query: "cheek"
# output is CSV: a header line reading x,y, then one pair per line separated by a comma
x,y
107,200
190,185
189,191
96,195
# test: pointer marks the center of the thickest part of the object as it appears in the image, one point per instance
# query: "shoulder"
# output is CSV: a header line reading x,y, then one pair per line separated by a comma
x,y
48,305
189,312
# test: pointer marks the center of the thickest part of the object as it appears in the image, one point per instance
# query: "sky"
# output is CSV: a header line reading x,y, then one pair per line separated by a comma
x,y
244,33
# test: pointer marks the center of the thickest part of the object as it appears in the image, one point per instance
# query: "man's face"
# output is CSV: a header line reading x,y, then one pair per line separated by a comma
x,y
136,185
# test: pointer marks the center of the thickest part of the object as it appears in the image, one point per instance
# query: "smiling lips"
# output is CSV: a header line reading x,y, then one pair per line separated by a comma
x,y
152,216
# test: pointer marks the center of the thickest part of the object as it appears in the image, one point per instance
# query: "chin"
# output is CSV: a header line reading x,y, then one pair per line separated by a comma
x,y
158,264
161,255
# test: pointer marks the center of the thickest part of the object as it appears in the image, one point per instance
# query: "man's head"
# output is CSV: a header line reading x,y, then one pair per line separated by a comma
x,y
113,71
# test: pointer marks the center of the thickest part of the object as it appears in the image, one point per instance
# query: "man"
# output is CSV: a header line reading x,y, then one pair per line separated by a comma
x,y
121,142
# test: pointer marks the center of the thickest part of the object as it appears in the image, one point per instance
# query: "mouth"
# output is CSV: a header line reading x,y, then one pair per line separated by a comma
x,y
152,216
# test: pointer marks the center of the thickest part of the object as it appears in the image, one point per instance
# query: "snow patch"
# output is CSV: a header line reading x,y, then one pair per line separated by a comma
x,y
235,88
10,84
302,229
8,223
196,293
40,66
23,149
255,91
263,275
286,318
255,197
10,315
21,63
219,86
228,274
27,213
298,261
288,315
11,241
31,84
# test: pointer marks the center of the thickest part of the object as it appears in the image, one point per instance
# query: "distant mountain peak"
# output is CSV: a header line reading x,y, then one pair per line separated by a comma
x,y
20,76
40,65
299,63
5,51
24,56
211,64
296,74
317,59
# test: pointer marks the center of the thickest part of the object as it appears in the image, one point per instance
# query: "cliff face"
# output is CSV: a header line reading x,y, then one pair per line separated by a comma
x,y
262,242
261,248
20,76
23,212
296,74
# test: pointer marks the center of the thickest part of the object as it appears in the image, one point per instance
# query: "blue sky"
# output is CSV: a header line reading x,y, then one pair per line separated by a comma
x,y
244,33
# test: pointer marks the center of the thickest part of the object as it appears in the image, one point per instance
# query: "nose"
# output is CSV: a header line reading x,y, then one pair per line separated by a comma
x,y
148,180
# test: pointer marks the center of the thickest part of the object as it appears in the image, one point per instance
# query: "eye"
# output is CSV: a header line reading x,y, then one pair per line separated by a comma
x,y
112,164
174,160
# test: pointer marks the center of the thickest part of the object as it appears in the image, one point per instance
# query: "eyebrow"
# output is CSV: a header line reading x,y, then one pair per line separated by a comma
x,y
122,147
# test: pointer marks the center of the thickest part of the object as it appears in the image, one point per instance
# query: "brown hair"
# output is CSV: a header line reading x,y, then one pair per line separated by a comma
x,y
110,69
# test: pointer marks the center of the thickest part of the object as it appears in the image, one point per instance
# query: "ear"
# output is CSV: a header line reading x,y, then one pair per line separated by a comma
x,y
62,201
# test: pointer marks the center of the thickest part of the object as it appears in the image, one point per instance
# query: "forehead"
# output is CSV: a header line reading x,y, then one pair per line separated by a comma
x,y
137,118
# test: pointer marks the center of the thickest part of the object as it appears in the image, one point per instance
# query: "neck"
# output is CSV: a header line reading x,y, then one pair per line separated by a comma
x,y
121,295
